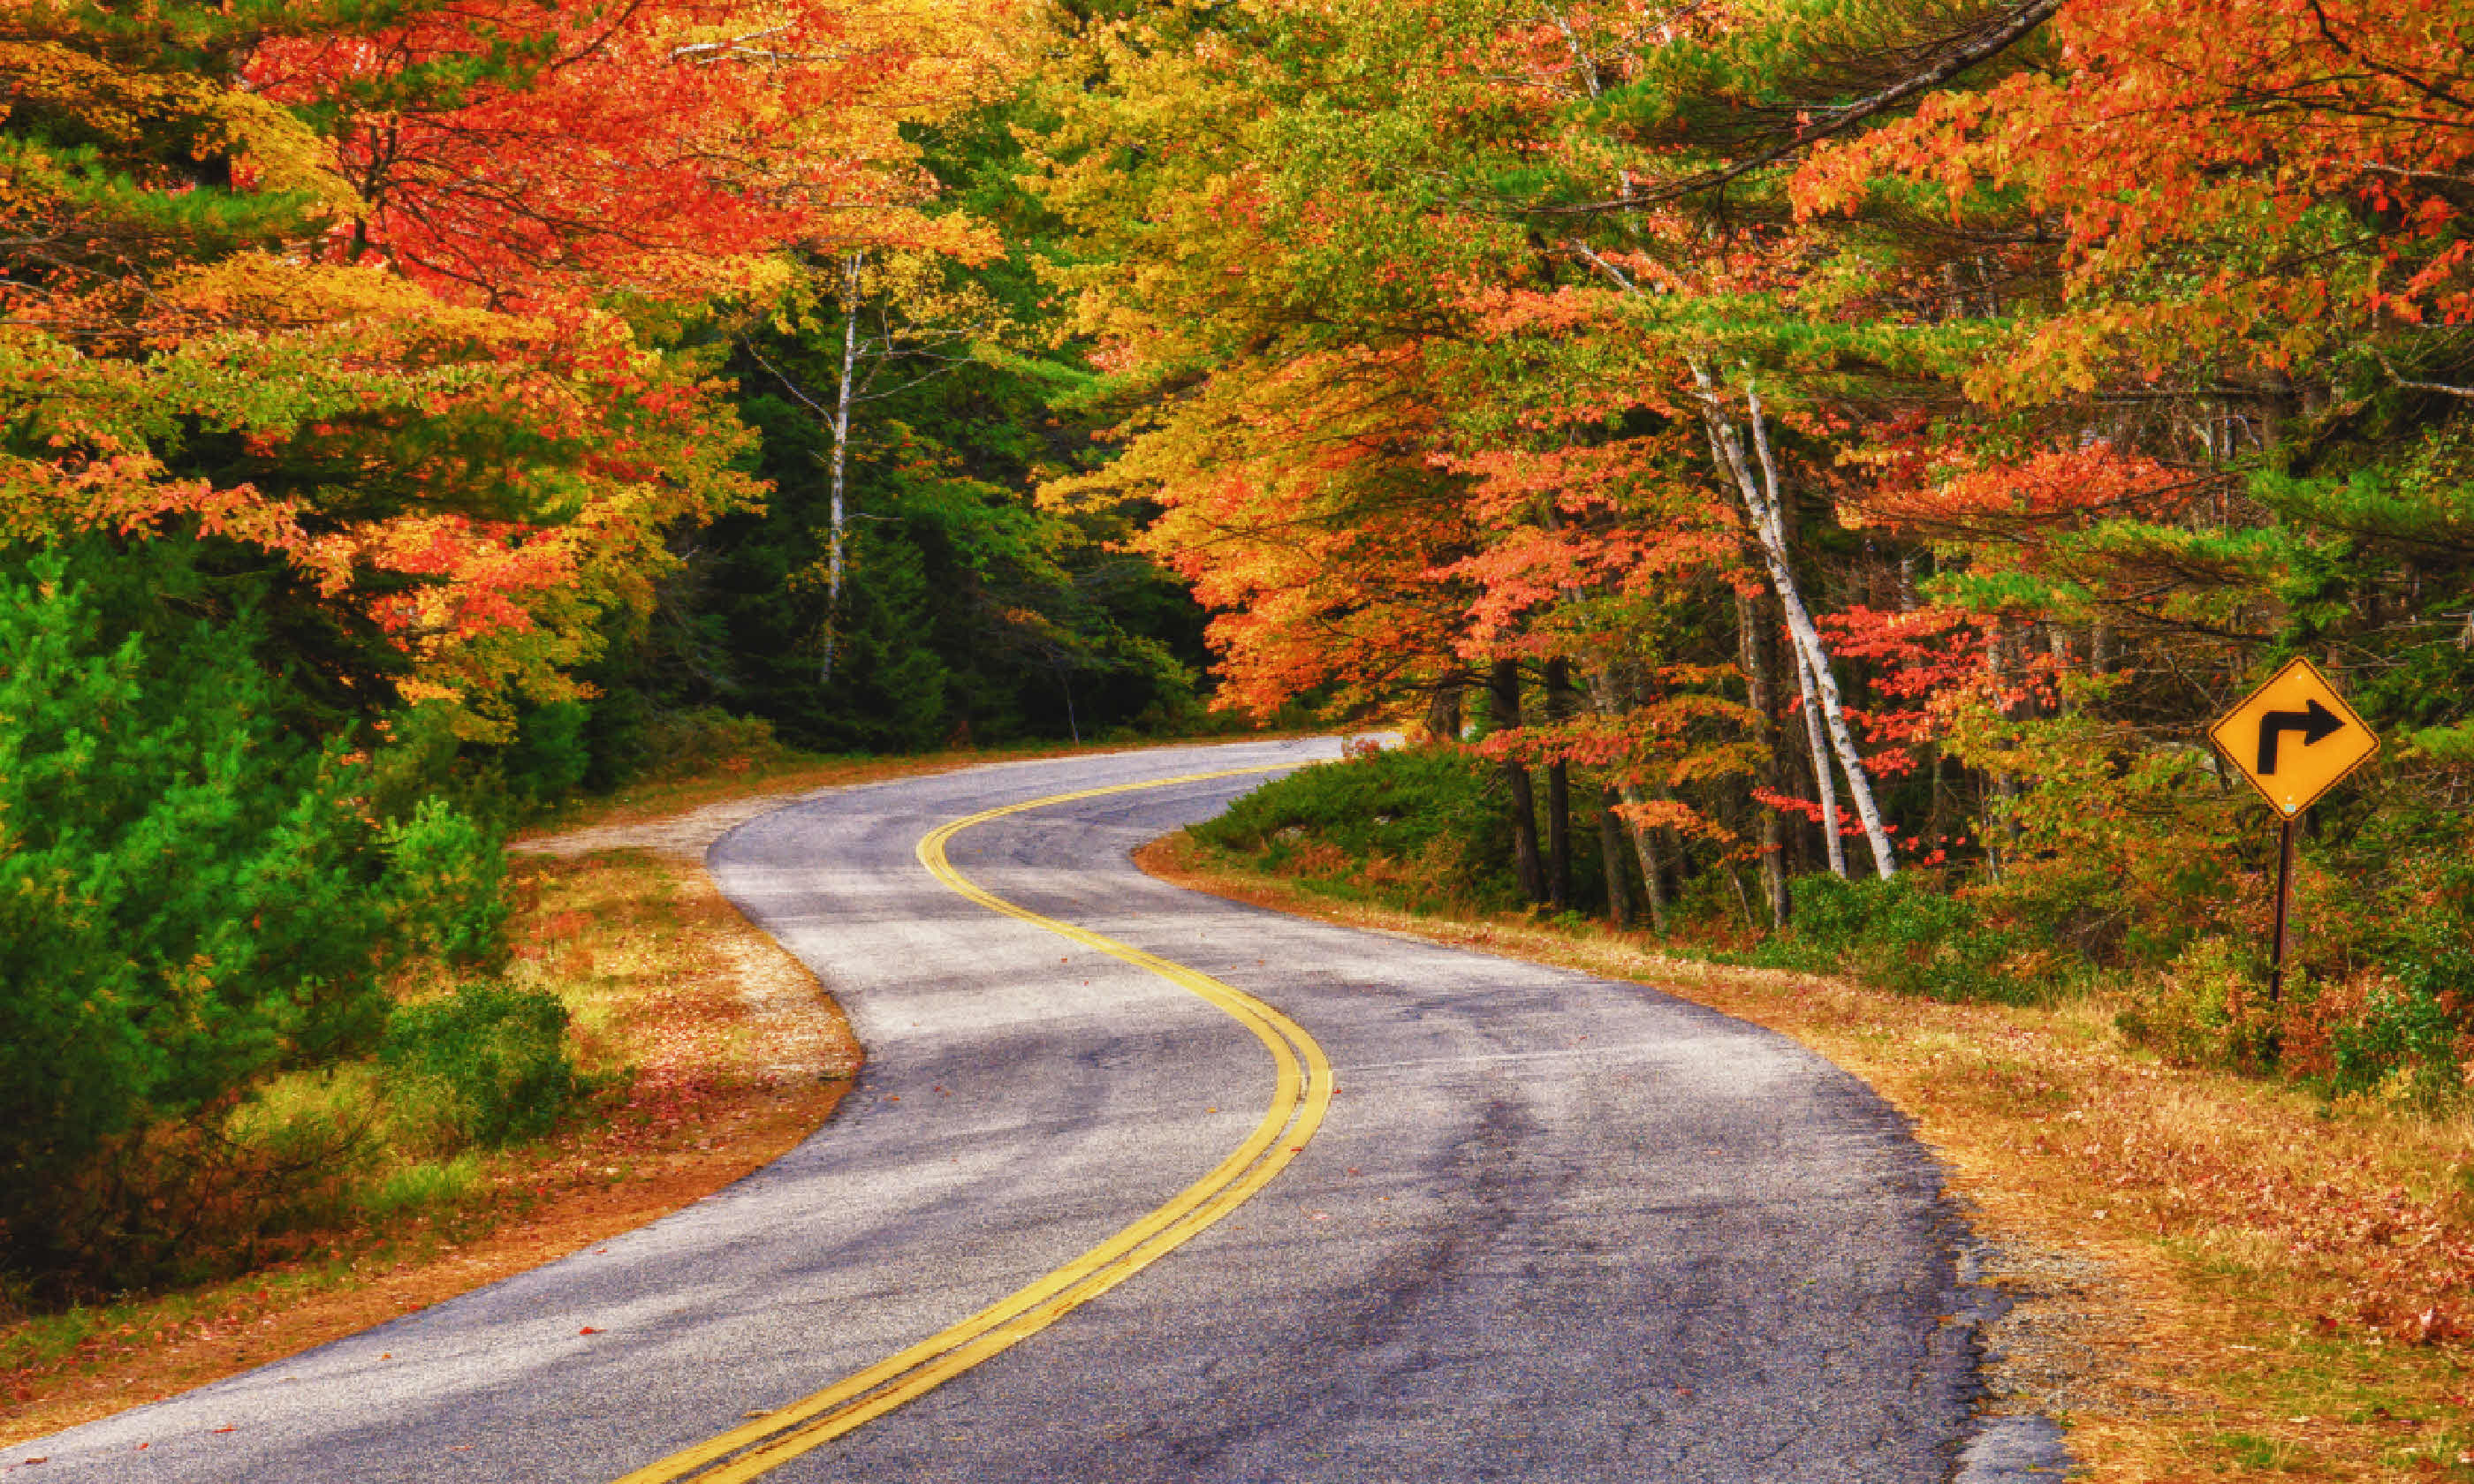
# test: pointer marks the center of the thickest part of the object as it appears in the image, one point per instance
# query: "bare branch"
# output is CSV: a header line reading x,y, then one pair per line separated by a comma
x,y
1993,43
2440,387
1581,251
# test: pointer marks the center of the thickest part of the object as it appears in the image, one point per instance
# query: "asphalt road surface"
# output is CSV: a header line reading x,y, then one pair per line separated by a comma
x,y
1553,1228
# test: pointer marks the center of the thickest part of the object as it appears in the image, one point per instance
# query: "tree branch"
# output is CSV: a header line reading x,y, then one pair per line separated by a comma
x,y
2025,19
2440,387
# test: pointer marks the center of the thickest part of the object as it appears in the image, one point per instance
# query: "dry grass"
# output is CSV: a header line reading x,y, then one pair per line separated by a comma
x,y
667,984
2221,1278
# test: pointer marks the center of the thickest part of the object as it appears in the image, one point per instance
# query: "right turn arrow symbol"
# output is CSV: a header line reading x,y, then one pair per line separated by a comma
x,y
2314,723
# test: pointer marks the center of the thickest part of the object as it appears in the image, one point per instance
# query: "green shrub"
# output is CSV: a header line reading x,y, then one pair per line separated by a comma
x,y
419,1187
187,900
1832,919
617,737
552,754
2403,1038
684,744
2396,1012
446,876
1436,810
2206,1009
487,1065
2412,1032
1904,934
185,1199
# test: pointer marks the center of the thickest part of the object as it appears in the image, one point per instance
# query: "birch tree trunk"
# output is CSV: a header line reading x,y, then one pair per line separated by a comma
x,y
835,539
1820,754
1758,657
1760,496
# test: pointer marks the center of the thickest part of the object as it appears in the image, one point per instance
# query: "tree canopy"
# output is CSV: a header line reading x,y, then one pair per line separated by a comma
x,y
1818,438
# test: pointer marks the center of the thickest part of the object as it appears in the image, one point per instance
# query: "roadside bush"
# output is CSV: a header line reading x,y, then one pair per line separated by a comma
x,y
2207,1007
616,737
2392,1013
2406,1041
198,921
447,878
2405,1029
682,744
187,1200
188,896
551,756
1423,826
487,1065
1905,935
422,1186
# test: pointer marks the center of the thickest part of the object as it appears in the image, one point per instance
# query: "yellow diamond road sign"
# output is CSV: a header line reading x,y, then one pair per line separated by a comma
x,y
2295,737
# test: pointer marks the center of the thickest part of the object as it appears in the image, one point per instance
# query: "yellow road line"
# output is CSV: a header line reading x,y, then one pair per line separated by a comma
x,y
1301,1090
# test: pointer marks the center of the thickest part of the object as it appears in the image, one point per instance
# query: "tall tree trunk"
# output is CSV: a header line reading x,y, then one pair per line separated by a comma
x,y
1760,498
1610,861
1743,899
1503,700
1998,825
1444,711
1828,791
836,541
1653,879
1934,827
1609,700
1817,755
1756,656
1559,792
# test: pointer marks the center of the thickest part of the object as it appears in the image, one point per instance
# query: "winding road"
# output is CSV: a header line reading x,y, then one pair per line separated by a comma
x,y
1192,1192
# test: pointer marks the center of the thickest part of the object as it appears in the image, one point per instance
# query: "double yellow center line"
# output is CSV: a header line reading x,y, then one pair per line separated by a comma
x,y
1301,1090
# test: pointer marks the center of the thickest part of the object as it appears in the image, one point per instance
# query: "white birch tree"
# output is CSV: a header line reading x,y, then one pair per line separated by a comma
x,y
1760,495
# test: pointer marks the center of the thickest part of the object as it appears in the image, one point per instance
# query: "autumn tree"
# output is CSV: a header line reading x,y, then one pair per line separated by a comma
x,y
396,297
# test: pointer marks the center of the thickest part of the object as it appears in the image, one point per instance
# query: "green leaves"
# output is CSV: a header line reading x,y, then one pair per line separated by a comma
x,y
447,878
185,887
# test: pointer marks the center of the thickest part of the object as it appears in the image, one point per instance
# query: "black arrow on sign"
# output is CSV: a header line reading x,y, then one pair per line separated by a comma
x,y
2315,723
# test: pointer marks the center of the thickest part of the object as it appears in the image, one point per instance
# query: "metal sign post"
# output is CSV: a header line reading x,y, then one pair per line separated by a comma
x,y
2285,848
2294,739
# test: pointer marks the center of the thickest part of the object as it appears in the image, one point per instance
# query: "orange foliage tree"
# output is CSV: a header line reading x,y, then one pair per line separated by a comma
x,y
406,297
1951,405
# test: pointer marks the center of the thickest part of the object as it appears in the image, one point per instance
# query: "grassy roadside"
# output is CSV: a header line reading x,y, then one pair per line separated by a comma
x,y
2217,1277
714,1050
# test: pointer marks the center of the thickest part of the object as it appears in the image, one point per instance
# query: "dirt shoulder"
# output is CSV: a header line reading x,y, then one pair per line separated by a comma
x,y
2211,1277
